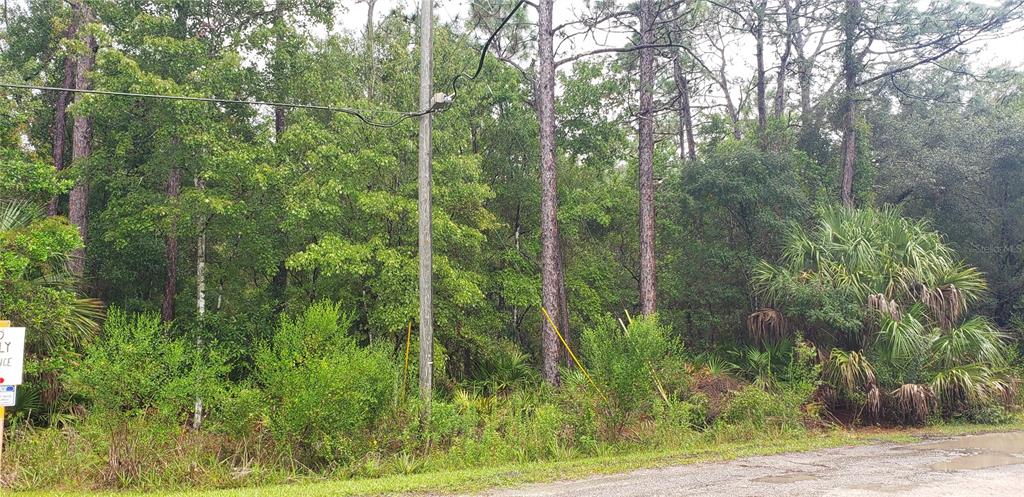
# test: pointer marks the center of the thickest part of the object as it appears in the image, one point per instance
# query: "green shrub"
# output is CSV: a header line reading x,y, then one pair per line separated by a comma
x,y
240,411
135,367
756,408
628,364
328,392
689,414
990,414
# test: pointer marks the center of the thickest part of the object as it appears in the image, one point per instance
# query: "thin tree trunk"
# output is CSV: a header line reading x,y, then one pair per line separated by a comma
x,y
762,103
81,146
279,283
804,79
197,418
687,144
201,258
804,66
370,59
730,105
550,274
850,21
171,249
780,82
645,163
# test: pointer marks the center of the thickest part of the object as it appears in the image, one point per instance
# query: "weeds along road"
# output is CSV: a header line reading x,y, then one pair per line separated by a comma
x,y
988,465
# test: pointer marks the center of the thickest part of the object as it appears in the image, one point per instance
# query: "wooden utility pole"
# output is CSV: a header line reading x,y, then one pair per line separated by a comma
x,y
425,209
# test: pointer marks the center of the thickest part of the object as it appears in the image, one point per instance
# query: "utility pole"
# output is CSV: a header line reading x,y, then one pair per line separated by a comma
x,y
425,209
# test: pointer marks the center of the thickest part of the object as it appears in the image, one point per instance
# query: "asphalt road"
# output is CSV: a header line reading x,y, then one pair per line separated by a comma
x,y
989,465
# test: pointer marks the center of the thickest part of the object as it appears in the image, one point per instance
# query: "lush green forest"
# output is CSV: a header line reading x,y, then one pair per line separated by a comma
x,y
746,219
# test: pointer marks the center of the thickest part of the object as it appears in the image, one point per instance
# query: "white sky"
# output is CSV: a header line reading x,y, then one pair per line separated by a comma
x,y
1007,50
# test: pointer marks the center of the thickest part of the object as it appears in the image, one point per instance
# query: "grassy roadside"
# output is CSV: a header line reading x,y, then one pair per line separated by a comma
x,y
697,450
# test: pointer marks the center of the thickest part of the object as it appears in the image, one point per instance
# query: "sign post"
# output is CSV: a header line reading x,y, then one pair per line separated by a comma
x,y
12,361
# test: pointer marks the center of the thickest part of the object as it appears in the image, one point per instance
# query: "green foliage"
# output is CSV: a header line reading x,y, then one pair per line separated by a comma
x,y
755,408
36,289
628,363
909,293
726,212
30,181
292,208
136,368
327,392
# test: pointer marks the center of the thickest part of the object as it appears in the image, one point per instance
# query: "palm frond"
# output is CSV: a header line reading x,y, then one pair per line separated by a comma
x,y
16,214
848,371
964,386
900,340
974,341
914,402
766,325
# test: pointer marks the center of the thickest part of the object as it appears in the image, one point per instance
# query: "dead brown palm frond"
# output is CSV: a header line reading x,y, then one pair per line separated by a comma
x,y
766,325
873,402
1003,389
914,402
885,306
946,303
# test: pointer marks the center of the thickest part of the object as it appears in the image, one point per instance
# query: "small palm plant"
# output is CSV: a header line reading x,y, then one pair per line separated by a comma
x,y
884,299
37,290
36,263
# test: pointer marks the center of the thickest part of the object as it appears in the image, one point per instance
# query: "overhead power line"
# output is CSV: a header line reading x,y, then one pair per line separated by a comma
x,y
440,101
483,52
359,113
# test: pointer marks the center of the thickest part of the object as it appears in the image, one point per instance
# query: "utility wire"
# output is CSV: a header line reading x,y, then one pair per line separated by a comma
x,y
483,52
344,110
358,113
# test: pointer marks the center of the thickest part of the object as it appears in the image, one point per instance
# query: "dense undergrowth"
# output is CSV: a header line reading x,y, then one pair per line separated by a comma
x,y
321,405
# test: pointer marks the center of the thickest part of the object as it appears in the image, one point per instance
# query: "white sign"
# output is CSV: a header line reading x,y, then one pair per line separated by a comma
x,y
12,355
8,393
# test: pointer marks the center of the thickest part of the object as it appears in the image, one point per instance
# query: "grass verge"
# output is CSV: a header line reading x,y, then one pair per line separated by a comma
x,y
699,449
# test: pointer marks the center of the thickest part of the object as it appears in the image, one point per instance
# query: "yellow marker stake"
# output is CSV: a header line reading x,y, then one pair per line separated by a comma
x,y
574,359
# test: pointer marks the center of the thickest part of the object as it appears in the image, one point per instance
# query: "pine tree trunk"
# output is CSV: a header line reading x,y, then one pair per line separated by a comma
x,y
81,146
279,283
551,275
804,80
60,108
645,164
849,150
171,249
